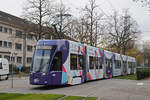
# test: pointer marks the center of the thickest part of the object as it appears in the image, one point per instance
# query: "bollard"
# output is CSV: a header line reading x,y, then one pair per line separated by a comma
x,y
19,74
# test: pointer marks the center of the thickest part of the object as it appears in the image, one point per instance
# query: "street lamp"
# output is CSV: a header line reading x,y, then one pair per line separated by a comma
x,y
60,22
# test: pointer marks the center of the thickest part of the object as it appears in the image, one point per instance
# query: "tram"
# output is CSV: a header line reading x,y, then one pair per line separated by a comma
x,y
62,62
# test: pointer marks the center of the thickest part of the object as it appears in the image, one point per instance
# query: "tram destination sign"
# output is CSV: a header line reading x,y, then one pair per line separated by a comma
x,y
44,47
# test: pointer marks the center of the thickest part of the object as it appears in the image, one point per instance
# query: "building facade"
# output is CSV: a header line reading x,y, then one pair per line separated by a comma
x,y
14,40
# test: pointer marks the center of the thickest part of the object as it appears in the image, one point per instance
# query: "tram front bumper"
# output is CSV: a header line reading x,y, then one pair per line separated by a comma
x,y
39,79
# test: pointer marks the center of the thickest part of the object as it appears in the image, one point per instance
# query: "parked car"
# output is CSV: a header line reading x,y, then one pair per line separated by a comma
x,y
4,69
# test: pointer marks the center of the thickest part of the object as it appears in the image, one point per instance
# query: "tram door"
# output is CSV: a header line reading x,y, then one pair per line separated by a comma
x,y
124,67
108,68
56,69
132,67
85,69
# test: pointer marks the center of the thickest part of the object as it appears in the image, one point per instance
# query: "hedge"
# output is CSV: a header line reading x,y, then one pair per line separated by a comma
x,y
16,70
143,72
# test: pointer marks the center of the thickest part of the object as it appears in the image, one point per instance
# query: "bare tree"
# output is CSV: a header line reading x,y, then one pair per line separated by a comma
x,y
63,18
92,18
38,11
146,53
81,30
145,3
122,29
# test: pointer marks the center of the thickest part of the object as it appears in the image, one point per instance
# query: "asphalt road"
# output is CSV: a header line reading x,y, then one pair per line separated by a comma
x,y
111,89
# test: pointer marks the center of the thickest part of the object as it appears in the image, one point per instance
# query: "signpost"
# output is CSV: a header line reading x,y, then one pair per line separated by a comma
x,y
12,55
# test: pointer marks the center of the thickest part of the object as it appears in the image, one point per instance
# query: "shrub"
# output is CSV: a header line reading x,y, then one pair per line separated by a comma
x,y
16,70
25,69
143,73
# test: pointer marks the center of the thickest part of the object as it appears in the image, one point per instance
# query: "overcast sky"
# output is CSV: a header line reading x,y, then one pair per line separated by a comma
x,y
140,14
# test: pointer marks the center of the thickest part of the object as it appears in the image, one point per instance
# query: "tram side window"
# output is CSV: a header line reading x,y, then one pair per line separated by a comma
x,y
1,66
57,62
96,62
117,64
129,64
106,62
100,60
81,62
109,63
134,65
73,61
124,63
91,62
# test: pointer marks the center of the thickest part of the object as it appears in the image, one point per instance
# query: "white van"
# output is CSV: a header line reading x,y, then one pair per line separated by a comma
x,y
4,68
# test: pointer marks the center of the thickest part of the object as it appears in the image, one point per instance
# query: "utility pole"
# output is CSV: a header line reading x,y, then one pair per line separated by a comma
x,y
24,49
96,35
12,55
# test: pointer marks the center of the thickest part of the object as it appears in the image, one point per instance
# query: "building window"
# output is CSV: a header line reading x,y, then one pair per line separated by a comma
x,y
29,48
1,29
13,59
0,56
18,46
10,31
5,30
29,60
1,43
5,44
30,36
19,59
9,45
7,57
18,34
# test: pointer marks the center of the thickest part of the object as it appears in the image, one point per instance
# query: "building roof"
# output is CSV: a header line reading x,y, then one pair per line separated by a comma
x,y
23,24
12,20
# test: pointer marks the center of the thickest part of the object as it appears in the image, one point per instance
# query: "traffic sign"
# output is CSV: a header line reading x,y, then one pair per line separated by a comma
x,y
19,67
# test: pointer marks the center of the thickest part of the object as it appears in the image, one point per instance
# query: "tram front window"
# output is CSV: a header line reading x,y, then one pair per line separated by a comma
x,y
41,60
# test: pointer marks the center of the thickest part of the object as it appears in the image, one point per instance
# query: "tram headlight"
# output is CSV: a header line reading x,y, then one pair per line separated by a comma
x,y
45,82
43,74
36,80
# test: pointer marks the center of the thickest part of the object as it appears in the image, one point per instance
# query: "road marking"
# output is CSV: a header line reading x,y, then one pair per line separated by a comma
x,y
140,84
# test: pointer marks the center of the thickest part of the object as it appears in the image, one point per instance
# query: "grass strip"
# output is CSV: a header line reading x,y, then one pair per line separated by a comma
x,y
91,98
72,98
17,96
38,97
2,93
129,77
7,96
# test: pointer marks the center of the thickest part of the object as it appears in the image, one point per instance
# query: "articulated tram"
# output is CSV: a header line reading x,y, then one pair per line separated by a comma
x,y
62,62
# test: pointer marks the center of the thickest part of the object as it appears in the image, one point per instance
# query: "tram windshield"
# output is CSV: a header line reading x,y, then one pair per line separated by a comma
x,y
42,58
